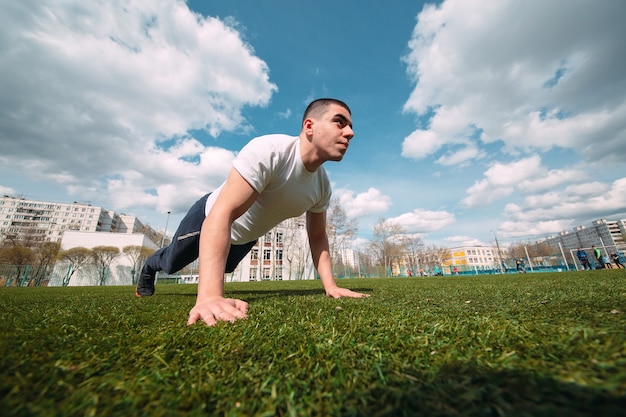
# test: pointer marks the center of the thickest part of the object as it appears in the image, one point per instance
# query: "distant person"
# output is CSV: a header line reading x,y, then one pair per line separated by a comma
x,y
582,257
615,259
598,256
273,178
455,270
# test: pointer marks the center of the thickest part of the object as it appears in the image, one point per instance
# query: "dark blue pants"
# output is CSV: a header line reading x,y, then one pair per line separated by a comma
x,y
185,245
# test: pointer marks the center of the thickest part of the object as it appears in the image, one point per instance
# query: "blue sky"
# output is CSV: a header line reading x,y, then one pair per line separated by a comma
x,y
471,117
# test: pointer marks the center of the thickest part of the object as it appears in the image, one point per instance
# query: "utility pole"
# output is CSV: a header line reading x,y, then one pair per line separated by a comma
x,y
167,220
499,255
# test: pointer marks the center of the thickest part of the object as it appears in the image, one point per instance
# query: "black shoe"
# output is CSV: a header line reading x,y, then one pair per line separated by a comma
x,y
145,284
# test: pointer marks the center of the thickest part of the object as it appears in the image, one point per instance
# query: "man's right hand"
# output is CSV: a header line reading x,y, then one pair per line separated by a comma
x,y
214,309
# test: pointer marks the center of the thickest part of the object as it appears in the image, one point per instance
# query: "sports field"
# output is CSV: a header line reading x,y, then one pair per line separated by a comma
x,y
544,344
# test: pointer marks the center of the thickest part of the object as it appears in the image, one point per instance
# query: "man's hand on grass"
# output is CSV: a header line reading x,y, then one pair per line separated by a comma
x,y
338,292
214,309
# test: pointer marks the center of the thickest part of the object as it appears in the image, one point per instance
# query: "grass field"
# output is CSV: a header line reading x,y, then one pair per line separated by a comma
x,y
535,344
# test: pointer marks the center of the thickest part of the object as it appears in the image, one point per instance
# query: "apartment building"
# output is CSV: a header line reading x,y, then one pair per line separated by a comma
x,y
44,221
472,258
607,234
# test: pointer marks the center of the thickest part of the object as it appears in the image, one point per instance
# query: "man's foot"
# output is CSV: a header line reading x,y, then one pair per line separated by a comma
x,y
145,285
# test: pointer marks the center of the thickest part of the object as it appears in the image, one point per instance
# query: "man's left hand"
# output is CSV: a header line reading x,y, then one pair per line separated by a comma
x,y
338,292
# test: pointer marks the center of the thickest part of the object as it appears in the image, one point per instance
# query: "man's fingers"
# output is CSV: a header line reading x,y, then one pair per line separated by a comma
x,y
242,306
227,310
193,317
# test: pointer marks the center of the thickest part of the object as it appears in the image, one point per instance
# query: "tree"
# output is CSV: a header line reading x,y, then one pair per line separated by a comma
x,y
435,255
102,257
46,253
414,246
76,257
294,245
137,255
386,243
17,255
340,229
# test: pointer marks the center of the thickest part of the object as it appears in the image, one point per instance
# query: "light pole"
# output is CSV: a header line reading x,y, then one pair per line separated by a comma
x,y
165,231
498,247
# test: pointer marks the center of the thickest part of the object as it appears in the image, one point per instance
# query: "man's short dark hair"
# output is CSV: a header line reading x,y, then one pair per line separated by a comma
x,y
317,107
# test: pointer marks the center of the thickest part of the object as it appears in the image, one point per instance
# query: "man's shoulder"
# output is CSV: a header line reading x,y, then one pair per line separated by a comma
x,y
273,141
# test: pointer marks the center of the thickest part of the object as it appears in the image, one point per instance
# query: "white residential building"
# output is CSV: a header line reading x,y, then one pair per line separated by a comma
x,y
121,269
44,221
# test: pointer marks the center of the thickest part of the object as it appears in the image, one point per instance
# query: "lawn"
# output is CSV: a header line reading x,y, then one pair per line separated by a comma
x,y
539,344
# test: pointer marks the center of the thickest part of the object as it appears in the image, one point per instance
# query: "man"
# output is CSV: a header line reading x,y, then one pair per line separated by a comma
x,y
582,257
598,255
273,178
615,259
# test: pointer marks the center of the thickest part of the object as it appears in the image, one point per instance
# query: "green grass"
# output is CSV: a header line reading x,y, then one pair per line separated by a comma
x,y
535,344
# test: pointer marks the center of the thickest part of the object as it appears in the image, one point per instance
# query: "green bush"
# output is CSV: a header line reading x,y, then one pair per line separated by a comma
x,y
534,344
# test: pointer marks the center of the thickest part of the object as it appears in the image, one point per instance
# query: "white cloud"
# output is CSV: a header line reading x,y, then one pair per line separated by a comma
x,y
285,114
457,241
420,144
501,180
423,221
367,203
461,156
539,229
556,211
533,75
551,179
7,191
96,93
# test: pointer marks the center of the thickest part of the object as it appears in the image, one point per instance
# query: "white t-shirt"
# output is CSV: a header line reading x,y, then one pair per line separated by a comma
x,y
272,165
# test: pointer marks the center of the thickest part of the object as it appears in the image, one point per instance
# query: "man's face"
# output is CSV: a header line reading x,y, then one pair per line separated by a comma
x,y
332,133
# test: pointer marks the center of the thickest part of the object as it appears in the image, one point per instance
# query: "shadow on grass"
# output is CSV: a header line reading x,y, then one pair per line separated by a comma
x,y
290,292
249,295
472,391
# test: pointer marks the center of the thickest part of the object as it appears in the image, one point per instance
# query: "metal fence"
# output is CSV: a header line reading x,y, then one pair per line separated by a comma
x,y
59,274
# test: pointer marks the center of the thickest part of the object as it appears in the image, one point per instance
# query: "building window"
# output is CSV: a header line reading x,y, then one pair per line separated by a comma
x,y
267,254
254,254
253,273
278,274
279,254
266,273
279,238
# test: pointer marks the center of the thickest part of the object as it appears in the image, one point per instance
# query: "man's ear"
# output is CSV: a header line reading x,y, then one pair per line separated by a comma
x,y
307,126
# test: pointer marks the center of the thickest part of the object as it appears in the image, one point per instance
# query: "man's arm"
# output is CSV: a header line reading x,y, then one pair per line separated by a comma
x,y
235,198
318,240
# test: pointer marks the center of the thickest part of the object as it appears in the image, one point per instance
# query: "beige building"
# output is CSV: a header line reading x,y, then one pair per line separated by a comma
x,y
472,258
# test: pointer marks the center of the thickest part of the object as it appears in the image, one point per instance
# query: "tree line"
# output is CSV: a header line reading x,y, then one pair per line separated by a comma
x,y
389,250
37,261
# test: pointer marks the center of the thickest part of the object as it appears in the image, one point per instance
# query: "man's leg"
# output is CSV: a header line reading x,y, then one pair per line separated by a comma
x,y
181,252
236,254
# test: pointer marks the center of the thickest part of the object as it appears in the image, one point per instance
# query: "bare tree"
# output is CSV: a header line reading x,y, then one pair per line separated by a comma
x,y
136,255
414,247
102,257
387,243
435,254
294,248
76,257
339,229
